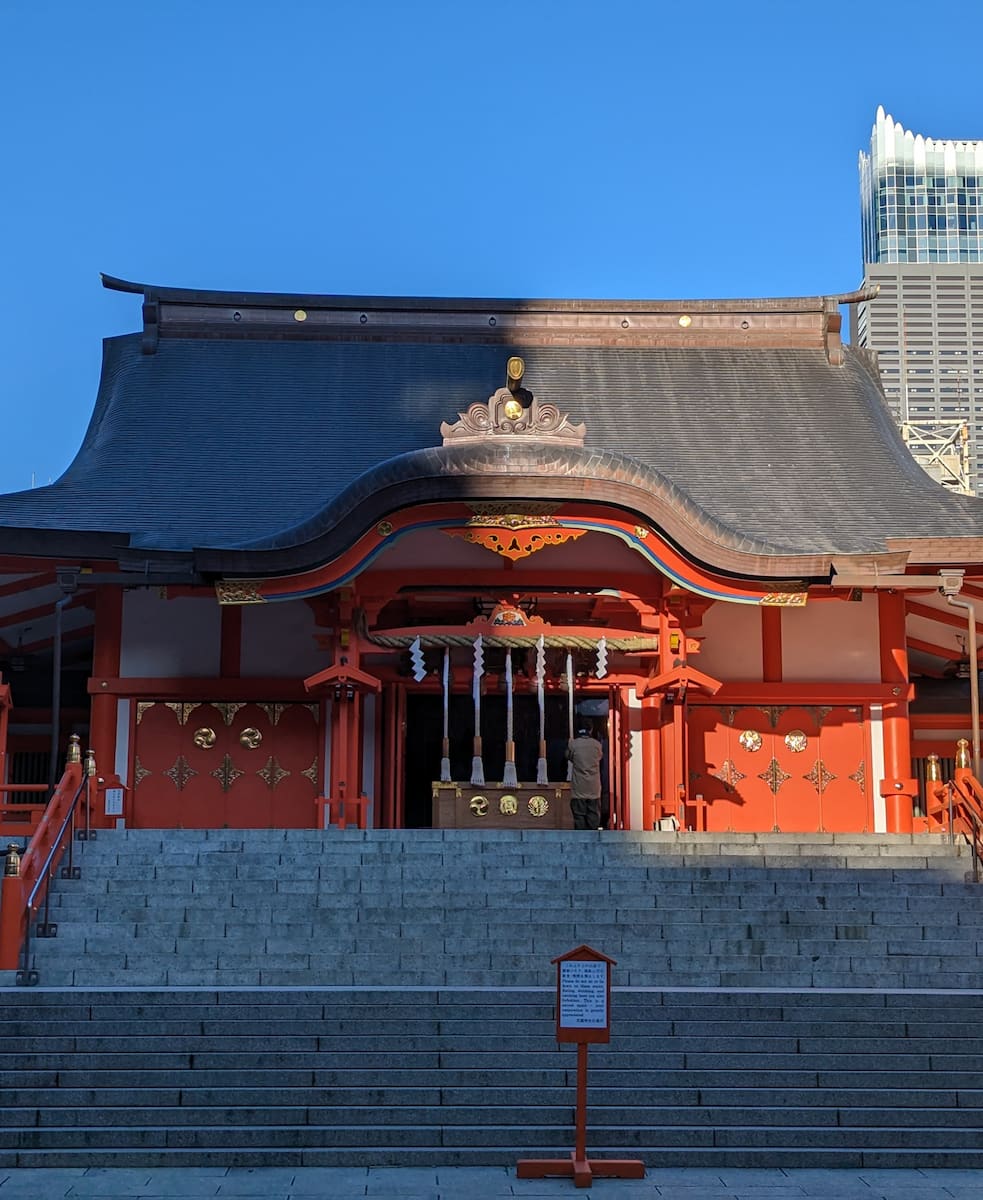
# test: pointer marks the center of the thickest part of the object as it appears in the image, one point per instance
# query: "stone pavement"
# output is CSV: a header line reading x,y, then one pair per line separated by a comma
x,y
480,1183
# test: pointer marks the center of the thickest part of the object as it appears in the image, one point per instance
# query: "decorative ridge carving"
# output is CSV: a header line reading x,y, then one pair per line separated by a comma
x,y
512,414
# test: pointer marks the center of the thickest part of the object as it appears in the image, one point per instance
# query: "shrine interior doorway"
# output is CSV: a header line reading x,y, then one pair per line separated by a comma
x,y
424,740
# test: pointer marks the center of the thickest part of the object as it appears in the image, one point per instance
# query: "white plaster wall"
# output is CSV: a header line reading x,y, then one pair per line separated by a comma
x,y
831,642
326,706
278,641
877,766
635,764
122,739
730,649
165,639
368,756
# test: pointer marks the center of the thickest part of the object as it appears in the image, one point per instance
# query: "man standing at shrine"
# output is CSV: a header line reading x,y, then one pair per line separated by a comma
x,y
584,753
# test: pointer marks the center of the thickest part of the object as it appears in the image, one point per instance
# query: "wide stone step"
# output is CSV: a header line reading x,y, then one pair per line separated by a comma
x,y
540,1112
548,1138
403,1156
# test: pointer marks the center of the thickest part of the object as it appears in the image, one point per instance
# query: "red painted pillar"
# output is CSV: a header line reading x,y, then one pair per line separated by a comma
x,y
105,665
651,783
898,787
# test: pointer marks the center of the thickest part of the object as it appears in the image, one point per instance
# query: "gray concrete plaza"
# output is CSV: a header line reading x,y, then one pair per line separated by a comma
x,y
480,1183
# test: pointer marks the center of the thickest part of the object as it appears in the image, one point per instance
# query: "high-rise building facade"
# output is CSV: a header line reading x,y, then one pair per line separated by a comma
x,y
922,225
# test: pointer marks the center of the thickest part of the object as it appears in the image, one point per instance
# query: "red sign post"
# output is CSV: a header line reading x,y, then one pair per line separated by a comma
x,y
583,1015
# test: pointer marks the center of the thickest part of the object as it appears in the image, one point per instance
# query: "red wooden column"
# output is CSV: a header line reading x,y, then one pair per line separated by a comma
x,y
345,686
105,665
651,781
898,787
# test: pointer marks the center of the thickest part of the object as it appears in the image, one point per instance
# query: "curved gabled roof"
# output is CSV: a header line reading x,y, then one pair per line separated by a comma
x,y
268,451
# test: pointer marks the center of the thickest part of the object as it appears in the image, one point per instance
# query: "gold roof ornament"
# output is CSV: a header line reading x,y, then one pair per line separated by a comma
x,y
512,411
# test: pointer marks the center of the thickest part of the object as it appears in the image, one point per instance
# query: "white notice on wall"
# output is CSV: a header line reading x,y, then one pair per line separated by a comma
x,y
114,802
583,995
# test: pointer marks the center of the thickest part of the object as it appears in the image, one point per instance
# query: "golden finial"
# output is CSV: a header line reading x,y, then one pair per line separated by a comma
x,y
90,763
515,369
74,749
933,770
962,753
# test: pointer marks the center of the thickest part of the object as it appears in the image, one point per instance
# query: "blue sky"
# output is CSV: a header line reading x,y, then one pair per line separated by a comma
x,y
430,147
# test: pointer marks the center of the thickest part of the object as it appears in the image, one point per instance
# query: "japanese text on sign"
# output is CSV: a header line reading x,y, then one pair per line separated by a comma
x,y
583,995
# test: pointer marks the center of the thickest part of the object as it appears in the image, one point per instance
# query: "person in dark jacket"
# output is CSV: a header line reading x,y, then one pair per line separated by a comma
x,y
584,753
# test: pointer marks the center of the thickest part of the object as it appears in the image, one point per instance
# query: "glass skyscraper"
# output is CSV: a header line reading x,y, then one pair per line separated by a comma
x,y
922,228
921,198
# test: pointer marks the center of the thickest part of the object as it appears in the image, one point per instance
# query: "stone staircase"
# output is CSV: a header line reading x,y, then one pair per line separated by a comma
x,y
386,998
371,1077
309,908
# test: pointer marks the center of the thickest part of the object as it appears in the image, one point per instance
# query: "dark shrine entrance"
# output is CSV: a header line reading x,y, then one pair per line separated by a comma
x,y
424,738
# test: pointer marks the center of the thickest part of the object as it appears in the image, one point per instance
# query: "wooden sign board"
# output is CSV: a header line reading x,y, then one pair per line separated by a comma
x,y
583,996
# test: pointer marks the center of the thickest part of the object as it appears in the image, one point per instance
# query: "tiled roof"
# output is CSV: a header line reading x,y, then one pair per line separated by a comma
x,y
222,443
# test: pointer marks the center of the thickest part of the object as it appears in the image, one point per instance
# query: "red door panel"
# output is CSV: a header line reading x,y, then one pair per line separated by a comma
x,y
206,765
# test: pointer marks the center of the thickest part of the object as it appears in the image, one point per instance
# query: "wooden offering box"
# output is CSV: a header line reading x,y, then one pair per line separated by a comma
x,y
495,806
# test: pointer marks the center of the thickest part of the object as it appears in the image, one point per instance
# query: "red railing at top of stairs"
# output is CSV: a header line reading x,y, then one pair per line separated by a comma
x,y
957,804
26,877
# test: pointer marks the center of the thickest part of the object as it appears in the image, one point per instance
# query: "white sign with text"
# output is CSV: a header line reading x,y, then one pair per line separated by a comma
x,y
583,994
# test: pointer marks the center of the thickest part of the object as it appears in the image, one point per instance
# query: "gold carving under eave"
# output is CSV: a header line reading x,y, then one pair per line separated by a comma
x,y
180,773
227,773
140,773
538,806
500,512
774,776
508,806
512,541
228,710
250,738
182,710
479,806
240,591
142,707
273,712
785,599
204,738
773,712
501,416
272,773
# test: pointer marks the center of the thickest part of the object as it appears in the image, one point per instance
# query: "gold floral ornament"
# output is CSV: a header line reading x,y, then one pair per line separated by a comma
x,y
180,773
750,739
479,806
538,806
250,738
227,773
796,741
204,738
508,806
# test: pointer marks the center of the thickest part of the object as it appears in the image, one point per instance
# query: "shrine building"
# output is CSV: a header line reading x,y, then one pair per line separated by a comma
x,y
328,559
